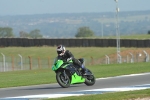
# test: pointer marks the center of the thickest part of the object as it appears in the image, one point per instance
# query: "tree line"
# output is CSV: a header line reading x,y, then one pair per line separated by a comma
x,y
56,25
7,32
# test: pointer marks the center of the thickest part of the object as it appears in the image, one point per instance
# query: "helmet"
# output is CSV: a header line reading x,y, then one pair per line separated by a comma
x,y
60,49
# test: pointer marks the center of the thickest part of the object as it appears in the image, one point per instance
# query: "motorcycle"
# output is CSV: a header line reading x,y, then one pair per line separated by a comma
x,y
68,74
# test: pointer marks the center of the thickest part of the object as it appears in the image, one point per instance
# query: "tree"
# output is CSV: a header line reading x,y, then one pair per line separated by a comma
x,y
6,32
24,34
84,32
35,34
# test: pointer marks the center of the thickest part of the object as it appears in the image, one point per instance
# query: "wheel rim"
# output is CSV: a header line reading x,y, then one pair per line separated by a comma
x,y
90,78
63,80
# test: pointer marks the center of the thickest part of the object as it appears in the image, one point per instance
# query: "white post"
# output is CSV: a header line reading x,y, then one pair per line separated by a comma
x,y
120,59
117,32
4,61
127,58
21,61
132,58
147,56
107,59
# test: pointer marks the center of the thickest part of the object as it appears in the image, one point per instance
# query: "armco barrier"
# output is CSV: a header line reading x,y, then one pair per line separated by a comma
x,y
112,42
140,43
125,43
147,43
73,42
98,42
91,42
133,43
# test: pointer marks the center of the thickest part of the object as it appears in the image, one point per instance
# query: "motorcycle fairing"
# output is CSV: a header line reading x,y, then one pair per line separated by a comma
x,y
57,65
77,79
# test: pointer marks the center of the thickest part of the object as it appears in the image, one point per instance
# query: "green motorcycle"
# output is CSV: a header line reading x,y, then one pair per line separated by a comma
x,y
67,74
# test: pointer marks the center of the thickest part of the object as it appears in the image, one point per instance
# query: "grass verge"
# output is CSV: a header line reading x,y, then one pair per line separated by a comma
x,y
128,95
47,76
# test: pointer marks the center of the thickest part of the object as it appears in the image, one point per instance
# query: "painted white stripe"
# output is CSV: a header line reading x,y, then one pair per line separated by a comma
x,y
96,79
45,96
84,92
124,76
94,91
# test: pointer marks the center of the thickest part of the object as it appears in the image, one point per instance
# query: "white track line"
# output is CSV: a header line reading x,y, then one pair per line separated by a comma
x,y
84,92
125,76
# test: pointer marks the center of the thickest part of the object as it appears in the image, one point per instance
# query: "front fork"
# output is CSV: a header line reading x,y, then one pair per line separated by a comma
x,y
65,75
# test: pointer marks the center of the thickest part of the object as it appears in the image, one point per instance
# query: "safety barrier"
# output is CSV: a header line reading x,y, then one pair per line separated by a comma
x,y
73,42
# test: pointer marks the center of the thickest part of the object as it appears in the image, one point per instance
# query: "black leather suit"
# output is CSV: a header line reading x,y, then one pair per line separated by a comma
x,y
67,55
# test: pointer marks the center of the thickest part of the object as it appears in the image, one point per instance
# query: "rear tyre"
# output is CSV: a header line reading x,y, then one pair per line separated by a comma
x,y
63,80
90,79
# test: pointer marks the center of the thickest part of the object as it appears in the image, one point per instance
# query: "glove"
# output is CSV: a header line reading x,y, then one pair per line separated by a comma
x,y
69,59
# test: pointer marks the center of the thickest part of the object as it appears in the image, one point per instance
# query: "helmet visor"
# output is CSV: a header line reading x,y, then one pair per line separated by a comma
x,y
59,52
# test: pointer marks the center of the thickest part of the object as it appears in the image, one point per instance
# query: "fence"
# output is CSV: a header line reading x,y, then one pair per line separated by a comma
x,y
125,57
25,42
11,63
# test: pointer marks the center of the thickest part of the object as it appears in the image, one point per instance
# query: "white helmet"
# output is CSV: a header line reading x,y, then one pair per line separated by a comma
x,y
60,49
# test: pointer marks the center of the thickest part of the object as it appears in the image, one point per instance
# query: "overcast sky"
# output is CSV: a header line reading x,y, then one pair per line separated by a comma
x,y
23,7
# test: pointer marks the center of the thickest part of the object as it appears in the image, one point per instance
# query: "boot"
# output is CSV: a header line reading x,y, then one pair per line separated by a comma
x,y
84,71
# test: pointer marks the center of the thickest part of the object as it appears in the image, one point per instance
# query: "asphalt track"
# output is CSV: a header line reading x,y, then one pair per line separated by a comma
x,y
101,83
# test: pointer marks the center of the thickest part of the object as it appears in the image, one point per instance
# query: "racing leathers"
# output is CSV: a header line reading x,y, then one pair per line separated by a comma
x,y
67,55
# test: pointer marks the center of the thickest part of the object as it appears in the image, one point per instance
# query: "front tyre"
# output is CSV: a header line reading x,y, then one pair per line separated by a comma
x,y
90,79
63,79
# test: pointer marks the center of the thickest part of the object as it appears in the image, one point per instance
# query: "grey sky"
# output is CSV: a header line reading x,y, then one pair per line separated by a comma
x,y
23,7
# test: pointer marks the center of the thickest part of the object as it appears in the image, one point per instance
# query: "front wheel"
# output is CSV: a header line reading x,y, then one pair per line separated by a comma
x,y
63,79
90,79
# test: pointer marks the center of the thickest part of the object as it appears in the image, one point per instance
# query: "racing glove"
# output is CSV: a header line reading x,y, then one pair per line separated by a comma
x,y
69,59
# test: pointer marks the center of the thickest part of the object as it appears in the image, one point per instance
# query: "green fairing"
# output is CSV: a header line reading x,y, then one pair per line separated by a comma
x,y
77,79
65,66
57,65
74,78
64,71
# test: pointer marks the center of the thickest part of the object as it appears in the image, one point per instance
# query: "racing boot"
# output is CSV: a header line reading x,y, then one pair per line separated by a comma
x,y
84,71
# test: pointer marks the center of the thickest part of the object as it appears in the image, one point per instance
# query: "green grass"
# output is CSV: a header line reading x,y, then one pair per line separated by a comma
x,y
132,36
119,69
139,36
24,78
47,76
130,95
45,52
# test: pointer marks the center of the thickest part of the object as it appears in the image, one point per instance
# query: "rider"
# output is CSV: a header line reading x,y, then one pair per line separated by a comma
x,y
67,55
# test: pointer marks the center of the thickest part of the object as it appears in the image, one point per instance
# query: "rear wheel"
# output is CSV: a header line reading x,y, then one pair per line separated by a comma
x,y
63,79
90,79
